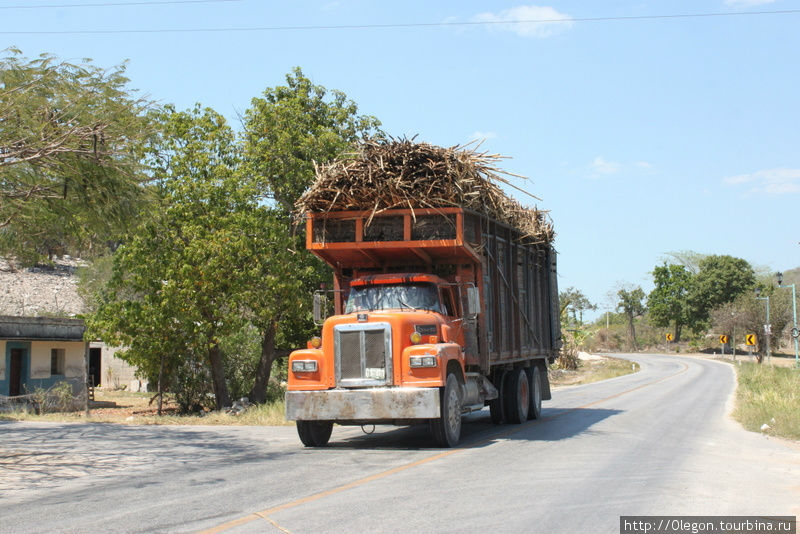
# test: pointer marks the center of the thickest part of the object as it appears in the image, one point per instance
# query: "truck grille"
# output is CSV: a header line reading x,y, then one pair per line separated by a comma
x,y
363,354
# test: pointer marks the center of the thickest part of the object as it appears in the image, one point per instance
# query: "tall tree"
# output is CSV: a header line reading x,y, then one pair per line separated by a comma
x,y
667,303
720,280
287,131
574,302
71,146
179,270
630,303
292,127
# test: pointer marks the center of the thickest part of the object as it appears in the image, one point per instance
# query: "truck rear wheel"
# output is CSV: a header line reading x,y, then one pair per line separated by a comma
x,y
535,408
446,429
497,406
518,396
314,433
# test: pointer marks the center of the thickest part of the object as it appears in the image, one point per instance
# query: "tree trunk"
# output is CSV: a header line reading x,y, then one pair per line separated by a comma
x,y
218,377
259,392
633,332
161,385
678,328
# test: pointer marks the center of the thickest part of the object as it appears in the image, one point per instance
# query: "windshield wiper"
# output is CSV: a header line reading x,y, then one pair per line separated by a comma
x,y
404,303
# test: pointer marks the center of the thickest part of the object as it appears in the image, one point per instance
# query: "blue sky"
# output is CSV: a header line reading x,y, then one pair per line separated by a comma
x,y
642,136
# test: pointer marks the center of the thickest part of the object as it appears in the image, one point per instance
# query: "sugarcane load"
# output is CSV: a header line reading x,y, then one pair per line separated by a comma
x,y
444,294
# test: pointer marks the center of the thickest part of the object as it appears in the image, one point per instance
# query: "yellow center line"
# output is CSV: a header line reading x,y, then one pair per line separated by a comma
x,y
264,514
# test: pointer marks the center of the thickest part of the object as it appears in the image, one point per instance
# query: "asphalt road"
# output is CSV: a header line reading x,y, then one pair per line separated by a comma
x,y
657,442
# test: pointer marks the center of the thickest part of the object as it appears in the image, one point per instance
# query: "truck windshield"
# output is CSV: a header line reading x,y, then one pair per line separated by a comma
x,y
393,296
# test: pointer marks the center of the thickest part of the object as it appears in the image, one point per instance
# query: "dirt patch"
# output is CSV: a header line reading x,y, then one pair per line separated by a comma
x,y
593,368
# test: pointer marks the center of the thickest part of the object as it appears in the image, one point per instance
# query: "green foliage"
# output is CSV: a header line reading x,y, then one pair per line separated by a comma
x,y
171,298
71,145
685,294
630,303
214,289
720,280
287,131
667,303
573,304
292,127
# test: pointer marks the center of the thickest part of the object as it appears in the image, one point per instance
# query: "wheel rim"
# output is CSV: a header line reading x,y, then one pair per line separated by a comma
x,y
453,412
524,394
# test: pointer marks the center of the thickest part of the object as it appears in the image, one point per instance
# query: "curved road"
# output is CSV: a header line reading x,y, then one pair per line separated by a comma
x,y
657,442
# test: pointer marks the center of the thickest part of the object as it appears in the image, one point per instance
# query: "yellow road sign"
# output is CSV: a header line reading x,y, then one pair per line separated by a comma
x,y
723,340
750,339
670,337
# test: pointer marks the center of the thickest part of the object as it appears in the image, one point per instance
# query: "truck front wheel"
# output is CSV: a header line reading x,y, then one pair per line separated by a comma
x,y
446,429
314,433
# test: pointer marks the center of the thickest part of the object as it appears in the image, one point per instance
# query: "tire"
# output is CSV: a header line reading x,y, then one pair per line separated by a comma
x,y
314,433
497,406
535,408
518,397
446,429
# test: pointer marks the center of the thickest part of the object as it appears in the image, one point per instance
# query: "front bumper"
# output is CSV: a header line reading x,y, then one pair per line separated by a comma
x,y
374,404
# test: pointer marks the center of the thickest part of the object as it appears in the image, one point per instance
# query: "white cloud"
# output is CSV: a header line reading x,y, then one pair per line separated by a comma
x,y
522,21
771,181
601,166
747,3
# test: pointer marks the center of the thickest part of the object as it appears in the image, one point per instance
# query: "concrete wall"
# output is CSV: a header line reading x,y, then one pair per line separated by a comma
x,y
117,373
39,366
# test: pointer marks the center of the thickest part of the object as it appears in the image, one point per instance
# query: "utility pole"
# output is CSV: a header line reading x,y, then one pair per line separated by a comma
x,y
794,315
767,326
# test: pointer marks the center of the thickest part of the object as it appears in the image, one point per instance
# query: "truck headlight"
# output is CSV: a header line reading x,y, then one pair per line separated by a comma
x,y
304,366
423,361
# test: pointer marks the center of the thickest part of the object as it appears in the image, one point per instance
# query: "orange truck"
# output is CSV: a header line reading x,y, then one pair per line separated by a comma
x,y
435,313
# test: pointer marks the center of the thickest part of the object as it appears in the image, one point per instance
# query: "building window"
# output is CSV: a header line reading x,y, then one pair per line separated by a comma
x,y
57,358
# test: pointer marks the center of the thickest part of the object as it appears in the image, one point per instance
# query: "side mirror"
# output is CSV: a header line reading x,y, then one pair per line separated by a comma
x,y
320,307
473,302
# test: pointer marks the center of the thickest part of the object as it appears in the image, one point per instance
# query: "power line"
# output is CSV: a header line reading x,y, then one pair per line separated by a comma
x,y
117,4
397,25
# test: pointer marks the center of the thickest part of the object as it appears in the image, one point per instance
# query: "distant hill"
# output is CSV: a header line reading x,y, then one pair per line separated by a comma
x,y
41,290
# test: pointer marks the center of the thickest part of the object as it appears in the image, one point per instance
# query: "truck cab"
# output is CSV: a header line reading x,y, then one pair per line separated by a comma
x,y
385,358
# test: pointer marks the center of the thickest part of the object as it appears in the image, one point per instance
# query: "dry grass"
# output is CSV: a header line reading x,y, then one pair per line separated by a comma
x,y
592,371
394,173
135,409
768,395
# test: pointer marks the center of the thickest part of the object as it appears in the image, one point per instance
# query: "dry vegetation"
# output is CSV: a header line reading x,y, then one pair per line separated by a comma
x,y
393,173
136,409
768,395
588,371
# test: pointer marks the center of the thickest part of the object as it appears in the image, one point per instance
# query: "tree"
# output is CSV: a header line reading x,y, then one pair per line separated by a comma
x,y
630,303
668,302
287,131
71,147
747,315
720,280
574,302
174,288
292,127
